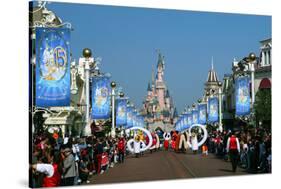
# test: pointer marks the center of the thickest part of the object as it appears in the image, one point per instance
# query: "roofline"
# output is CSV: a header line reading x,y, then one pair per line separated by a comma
x,y
268,39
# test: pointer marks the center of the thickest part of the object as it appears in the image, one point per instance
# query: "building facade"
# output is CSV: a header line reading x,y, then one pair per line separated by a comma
x,y
262,80
263,66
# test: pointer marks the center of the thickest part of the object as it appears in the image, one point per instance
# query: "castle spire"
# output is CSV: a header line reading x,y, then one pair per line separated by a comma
x,y
212,75
152,77
160,60
149,87
167,94
175,113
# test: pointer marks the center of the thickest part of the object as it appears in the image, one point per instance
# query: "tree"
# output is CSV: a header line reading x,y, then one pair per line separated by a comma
x,y
263,105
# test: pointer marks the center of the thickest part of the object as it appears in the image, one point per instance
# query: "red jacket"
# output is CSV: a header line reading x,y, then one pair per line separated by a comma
x,y
54,180
121,145
233,143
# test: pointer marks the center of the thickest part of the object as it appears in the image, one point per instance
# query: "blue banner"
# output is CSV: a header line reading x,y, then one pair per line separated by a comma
x,y
177,126
213,115
52,67
121,112
101,97
142,122
129,117
139,121
194,116
181,123
242,94
202,108
185,123
134,116
189,119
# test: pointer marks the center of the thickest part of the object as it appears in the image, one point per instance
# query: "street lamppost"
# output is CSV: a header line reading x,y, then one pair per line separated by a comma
x,y
220,106
113,86
88,62
251,61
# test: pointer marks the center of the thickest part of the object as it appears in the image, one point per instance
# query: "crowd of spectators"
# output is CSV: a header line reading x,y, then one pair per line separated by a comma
x,y
255,145
69,161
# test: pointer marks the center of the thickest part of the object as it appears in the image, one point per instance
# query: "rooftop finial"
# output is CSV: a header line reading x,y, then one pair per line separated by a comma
x,y
212,62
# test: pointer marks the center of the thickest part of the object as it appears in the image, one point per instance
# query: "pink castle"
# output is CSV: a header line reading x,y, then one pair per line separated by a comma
x,y
158,104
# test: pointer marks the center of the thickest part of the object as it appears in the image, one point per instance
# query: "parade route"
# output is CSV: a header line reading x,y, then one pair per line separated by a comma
x,y
85,114
166,165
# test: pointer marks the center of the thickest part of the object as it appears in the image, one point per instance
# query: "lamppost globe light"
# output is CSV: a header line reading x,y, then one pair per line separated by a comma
x,y
87,53
113,84
121,94
219,83
252,56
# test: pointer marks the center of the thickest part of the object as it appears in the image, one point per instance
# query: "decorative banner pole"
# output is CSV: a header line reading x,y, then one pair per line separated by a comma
x,y
220,107
87,53
121,112
113,85
252,58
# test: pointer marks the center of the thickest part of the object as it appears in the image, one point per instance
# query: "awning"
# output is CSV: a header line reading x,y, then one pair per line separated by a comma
x,y
59,119
265,84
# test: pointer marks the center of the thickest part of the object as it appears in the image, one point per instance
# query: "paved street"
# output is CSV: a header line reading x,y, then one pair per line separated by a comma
x,y
165,165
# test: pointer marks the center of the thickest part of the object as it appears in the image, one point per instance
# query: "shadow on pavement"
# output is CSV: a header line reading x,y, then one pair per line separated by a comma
x,y
226,170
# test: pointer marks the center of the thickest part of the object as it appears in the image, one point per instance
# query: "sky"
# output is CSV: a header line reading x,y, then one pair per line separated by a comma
x,y
127,39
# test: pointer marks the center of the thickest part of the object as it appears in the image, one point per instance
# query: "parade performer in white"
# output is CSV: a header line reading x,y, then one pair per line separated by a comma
x,y
194,143
137,146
